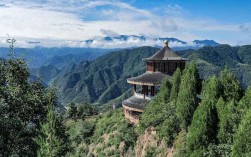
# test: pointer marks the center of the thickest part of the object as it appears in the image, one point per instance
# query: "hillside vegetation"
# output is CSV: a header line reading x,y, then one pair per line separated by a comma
x,y
186,118
104,79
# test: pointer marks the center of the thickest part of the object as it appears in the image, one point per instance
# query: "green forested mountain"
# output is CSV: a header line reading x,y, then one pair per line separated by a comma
x,y
105,78
210,60
102,79
176,123
45,73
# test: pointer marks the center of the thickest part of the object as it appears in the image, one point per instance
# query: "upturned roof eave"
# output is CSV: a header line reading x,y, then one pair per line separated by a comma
x,y
143,83
183,59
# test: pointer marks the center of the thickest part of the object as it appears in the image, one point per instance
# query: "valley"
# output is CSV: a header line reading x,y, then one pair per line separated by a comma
x,y
77,82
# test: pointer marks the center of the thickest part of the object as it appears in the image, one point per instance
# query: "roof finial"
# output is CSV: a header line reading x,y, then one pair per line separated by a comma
x,y
166,43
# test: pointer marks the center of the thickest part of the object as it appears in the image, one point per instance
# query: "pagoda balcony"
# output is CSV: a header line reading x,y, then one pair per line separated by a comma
x,y
142,96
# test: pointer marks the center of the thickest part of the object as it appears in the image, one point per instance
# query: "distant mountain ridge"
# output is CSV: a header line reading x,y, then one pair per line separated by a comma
x,y
104,78
38,56
90,49
123,41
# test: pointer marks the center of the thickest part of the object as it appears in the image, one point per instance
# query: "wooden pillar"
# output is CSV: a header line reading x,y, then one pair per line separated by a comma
x,y
134,86
152,90
144,91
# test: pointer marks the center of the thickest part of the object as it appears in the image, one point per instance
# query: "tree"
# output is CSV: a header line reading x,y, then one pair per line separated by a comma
x,y
231,88
187,96
175,85
23,107
245,102
52,140
203,129
156,111
228,121
48,141
72,111
85,110
242,140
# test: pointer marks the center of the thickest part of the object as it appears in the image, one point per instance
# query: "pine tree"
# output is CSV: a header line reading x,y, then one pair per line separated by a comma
x,y
176,78
228,121
156,111
245,102
53,140
180,145
242,138
23,107
48,142
203,129
72,111
231,88
187,96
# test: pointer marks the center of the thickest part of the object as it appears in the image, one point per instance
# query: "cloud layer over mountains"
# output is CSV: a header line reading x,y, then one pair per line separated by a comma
x,y
57,23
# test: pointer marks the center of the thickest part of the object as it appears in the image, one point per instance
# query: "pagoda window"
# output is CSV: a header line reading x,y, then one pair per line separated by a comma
x,y
164,70
167,68
149,66
162,67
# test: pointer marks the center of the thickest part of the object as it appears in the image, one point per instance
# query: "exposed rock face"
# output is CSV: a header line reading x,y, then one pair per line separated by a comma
x,y
147,144
149,141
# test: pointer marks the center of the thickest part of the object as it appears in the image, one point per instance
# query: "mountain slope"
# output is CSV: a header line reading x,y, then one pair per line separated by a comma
x,y
38,56
104,79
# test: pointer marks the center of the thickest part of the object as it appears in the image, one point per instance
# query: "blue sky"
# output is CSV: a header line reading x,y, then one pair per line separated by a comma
x,y
68,22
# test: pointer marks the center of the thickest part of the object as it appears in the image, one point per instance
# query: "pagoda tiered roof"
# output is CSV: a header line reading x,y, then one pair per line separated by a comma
x,y
149,78
166,53
135,104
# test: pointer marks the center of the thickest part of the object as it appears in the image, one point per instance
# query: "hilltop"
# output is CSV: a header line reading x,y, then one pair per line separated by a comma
x,y
104,78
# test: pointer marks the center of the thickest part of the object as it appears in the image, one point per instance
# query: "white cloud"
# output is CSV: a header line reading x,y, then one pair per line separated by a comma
x,y
68,22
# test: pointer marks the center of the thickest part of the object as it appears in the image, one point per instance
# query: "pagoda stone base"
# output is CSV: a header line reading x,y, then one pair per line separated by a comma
x,y
132,116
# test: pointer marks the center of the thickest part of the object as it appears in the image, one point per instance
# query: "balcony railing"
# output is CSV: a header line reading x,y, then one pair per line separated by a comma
x,y
141,96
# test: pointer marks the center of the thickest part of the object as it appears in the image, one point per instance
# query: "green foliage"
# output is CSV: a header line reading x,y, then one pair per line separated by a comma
x,y
22,108
49,143
242,139
53,140
82,111
187,96
180,144
77,81
153,151
102,79
86,110
203,129
114,121
245,102
176,78
231,88
156,111
168,129
72,111
111,125
228,122
81,131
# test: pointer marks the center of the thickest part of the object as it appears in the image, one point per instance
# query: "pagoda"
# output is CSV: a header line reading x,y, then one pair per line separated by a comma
x,y
158,67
